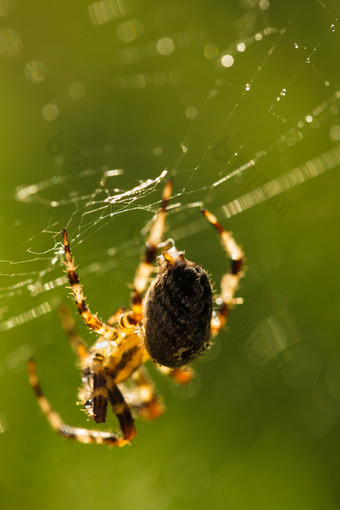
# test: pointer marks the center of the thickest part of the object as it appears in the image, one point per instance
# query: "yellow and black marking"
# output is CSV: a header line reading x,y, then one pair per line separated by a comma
x,y
79,434
117,357
69,326
123,366
149,404
90,319
122,411
96,408
144,269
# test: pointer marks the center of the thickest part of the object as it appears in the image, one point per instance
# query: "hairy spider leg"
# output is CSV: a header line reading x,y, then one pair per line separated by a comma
x,y
97,325
104,387
230,280
92,368
147,402
96,406
69,326
121,410
145,267
181,375
79,434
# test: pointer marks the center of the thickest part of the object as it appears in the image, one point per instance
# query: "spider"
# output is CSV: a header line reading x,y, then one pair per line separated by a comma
x,y
171,325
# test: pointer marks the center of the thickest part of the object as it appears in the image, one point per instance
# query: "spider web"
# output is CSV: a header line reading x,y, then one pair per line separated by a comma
x,y
255,120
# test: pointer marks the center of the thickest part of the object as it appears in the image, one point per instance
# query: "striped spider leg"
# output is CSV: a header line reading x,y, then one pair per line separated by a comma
x,y
145,267
96,391
229,281
79,434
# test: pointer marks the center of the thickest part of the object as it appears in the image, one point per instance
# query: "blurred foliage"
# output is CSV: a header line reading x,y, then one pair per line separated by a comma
x,y
124,84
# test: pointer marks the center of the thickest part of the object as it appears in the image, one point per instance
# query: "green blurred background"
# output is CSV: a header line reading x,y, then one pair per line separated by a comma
x,y
139,86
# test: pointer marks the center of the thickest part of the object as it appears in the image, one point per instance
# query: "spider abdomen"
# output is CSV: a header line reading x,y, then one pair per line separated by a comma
x,y
177,314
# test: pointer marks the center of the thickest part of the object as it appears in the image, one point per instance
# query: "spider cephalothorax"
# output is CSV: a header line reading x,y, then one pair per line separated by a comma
x,y
171,325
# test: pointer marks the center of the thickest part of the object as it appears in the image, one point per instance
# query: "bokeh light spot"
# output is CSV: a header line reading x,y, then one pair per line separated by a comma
x,y
264,5
227,60
191,112
36,71
50,112
334,133
10,43
210,51
165,46
130,30
77,90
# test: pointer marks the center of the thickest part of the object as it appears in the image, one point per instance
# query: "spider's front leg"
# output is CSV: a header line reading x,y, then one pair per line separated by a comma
x,y
69,326
97,325
230,280
81,435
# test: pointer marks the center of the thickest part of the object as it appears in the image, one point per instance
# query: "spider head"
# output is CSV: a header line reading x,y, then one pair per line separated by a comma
x,y
170,258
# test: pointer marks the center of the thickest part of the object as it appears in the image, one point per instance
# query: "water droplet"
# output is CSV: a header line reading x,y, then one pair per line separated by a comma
x,y
283,92
296,46
247,87
307,60
332,28
241,47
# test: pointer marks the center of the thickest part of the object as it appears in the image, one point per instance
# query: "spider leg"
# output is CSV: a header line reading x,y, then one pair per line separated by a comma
x,y
147,402
181,375
121,410
79,434
230,280
145,267
69,326
97,404
100,327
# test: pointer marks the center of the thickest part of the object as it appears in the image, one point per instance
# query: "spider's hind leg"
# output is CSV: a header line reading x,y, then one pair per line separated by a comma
x,y
230,280
181,375
145,399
